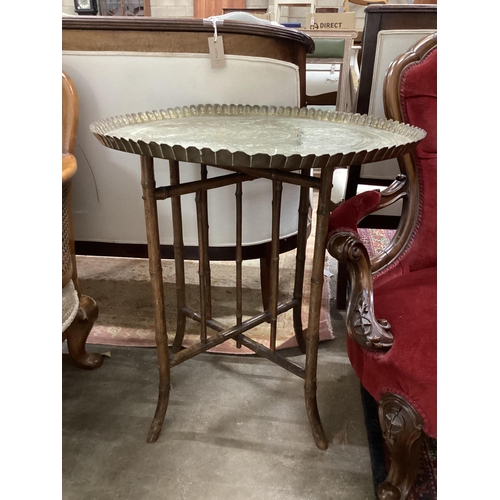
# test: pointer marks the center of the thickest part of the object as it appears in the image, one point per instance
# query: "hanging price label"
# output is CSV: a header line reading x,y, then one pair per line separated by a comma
x,y
216,49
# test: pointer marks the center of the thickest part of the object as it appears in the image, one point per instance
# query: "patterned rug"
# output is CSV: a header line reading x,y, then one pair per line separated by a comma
x,y
122,290
375,240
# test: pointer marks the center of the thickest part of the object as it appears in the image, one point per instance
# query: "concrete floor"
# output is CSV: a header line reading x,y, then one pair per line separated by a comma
x,y
236,428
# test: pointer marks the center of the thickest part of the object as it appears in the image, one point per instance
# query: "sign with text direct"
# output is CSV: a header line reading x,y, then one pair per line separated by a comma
x,y
343,21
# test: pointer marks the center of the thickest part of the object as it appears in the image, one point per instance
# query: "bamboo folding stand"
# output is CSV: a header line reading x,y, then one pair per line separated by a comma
x,y
151,195
276,143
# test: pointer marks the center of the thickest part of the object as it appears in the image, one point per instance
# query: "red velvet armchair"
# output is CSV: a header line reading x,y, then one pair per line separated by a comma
x,y
391,315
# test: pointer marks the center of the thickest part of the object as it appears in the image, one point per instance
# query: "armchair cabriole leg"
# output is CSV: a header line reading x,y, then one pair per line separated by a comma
x,y
402,430
78,332
156,275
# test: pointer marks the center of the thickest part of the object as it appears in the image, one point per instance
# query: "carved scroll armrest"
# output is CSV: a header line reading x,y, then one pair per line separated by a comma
x,y
345,245
362,326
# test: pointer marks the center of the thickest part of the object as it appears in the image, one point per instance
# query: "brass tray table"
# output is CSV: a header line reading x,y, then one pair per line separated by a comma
x,y
277,143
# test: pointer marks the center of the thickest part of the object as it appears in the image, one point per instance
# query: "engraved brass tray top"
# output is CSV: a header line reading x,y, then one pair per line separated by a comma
x,y
258,136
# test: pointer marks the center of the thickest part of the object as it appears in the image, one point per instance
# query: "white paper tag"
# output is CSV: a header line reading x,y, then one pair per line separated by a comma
x,y
216,49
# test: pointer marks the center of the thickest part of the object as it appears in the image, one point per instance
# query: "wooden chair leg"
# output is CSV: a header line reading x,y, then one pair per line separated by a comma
x,y
78,332
402,430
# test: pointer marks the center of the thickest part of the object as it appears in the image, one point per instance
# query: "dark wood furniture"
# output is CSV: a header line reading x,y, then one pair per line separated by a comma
x,y
391,315
86,313
326,10
387,17
227,10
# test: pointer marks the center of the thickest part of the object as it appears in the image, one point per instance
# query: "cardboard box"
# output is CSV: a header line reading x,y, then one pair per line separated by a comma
x,y
342,21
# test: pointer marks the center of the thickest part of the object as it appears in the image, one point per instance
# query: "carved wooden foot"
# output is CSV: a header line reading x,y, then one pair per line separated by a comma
x,y
402,430
78,332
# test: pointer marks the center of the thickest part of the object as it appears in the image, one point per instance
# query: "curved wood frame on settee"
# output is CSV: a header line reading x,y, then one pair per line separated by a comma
x,y
122,34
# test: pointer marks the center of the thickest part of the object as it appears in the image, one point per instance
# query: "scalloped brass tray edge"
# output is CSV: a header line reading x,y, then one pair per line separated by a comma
x,y
103,130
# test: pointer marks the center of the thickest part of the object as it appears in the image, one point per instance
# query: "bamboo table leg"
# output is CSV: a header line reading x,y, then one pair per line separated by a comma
x,y
203,260
275,238
180,280
239,257
300,261
312,339
155,271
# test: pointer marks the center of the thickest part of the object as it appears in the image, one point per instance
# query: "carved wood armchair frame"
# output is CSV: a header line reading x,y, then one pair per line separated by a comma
x,y
346,246
402,425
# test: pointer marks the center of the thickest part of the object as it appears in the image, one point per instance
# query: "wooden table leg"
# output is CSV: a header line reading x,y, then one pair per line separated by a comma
x,y
300,262
312,339
203,260
156,275
275,258
180,275
239,257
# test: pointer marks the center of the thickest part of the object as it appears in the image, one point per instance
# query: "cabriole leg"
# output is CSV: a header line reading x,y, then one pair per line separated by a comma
x,y
78,332
402,430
